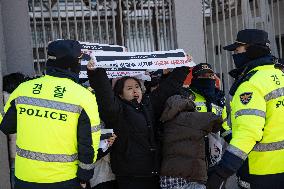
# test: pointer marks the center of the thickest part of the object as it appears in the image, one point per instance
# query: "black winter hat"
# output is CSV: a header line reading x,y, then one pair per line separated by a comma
x,y
250,37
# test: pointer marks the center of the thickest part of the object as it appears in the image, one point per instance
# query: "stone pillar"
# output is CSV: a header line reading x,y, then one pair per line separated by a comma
x,y
15,56
17,36
4,162
189,28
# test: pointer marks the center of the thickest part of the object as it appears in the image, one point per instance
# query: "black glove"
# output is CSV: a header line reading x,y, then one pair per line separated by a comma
x,y
228,138
218,176
217,124
215,181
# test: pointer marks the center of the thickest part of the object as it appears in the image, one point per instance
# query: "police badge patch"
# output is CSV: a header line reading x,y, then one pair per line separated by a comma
x,y
245,98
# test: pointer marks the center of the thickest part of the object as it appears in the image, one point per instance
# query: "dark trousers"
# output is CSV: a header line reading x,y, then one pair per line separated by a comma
x,y
127,182
107,185
267,185
275,181
70,184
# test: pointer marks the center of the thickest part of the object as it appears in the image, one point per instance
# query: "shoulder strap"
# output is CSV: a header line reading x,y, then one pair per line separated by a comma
x,y
238,82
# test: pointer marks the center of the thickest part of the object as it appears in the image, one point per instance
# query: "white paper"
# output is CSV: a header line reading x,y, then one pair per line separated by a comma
x,y
215,148
104,143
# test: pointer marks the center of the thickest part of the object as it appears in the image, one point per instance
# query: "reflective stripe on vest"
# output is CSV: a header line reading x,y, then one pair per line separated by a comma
x,y
48,104
218,108
262,147
255,112
226,133
46,157
200,103
87,166
96,128
274,94
237,152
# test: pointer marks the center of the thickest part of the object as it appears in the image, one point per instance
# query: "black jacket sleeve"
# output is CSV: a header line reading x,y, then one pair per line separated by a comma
x,y
85,149
168,87
108,104
101,154
9,122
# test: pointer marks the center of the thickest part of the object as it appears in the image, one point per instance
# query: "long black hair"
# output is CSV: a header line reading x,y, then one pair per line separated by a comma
x,y
119,85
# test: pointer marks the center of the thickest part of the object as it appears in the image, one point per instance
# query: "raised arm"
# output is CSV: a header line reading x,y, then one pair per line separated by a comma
x,y
169,87
109,106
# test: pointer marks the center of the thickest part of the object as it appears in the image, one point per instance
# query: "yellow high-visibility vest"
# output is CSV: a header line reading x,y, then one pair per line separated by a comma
x,y
257,111
48,109
200,103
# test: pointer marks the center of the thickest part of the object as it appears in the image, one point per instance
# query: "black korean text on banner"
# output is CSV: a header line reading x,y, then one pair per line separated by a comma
x,y
113,72
142,60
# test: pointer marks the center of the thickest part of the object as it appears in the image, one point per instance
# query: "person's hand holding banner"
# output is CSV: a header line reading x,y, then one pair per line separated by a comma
x,y
189,58
91,65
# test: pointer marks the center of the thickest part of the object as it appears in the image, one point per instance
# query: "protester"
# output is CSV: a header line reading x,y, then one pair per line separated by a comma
x,y
57,130
184,164
134,156
10,83
103,177
208,98
206,95
258,133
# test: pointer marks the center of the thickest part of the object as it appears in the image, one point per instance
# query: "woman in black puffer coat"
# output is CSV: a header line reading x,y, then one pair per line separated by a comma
x,y
134,155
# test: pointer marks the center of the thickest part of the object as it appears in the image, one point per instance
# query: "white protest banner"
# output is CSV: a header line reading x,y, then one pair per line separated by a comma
x,y
142,60
86,46
119,64
114,74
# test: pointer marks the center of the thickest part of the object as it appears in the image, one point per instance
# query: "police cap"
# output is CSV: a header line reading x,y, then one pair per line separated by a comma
x,y
250,37
201,69
64,49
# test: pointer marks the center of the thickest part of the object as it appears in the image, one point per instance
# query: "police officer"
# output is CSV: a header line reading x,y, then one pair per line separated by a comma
x,y
256,115
57,124
207,97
